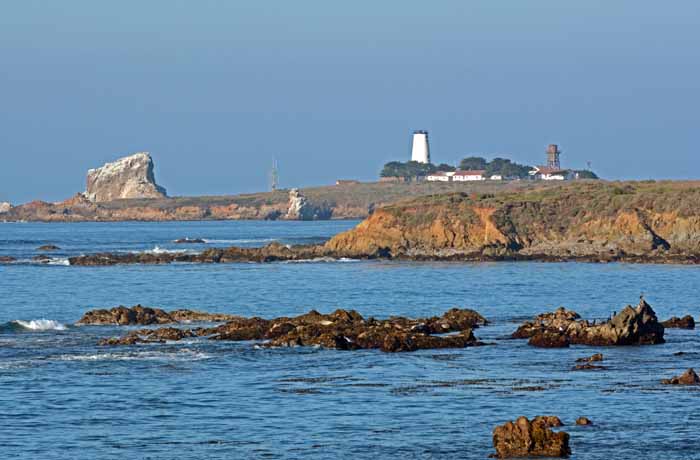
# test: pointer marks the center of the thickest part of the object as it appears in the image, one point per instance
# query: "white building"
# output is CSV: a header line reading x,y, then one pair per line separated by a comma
x,y
440,176
548,173
463,176
420,150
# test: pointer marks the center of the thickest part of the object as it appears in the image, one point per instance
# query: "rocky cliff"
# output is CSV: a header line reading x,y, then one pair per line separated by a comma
x,y
128,177
577,221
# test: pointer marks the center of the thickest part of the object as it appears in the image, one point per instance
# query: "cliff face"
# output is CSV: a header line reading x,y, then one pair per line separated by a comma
x,y
128,177
602,221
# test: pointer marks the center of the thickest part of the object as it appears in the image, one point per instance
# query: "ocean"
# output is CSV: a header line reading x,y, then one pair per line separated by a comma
x,y
64,397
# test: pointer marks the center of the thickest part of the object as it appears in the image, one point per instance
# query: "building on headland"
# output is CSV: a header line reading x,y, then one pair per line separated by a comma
x,y
440,176
553,170
347,182
464,176
456,176
420,149
547,173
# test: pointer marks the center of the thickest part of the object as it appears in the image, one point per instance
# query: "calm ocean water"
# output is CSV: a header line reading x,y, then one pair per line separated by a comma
x,y
61,396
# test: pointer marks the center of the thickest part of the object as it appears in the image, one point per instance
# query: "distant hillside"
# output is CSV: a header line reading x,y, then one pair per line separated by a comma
x,y
351,201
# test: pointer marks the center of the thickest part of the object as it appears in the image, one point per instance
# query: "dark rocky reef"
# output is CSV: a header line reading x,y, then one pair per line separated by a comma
x,y
524,438
271,253
688,377
342,329
7,259
146,316
631,326
686,322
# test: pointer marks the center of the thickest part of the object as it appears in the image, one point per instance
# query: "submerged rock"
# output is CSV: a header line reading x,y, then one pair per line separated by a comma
x,y
688,377
524,438
686,322
149,336
632,326
583,421
145,316
591,359
48,247
344,330
128,177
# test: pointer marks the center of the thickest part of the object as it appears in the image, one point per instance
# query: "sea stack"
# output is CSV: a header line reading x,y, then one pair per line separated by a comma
x,y
128,177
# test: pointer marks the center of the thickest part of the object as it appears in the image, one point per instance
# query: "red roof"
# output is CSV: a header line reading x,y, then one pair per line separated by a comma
x,y
471,172
548,170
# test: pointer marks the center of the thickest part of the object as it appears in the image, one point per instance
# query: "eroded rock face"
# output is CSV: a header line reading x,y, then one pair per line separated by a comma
x,y
128,177
300,208
688,377
631,326
524,438
686,322
5,207
342,330
145,316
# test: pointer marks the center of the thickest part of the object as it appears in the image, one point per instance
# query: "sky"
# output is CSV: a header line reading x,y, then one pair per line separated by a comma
x,y
216,89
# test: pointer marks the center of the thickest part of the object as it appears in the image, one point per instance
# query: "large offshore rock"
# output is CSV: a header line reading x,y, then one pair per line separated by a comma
x,y
524,438
128,177
631,326
300,208
689,377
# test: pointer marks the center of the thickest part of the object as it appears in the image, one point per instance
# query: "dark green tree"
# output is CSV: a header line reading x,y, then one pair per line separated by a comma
x,y
471,163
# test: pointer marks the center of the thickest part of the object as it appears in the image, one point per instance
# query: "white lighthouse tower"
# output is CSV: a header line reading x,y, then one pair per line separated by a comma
x,y
420,151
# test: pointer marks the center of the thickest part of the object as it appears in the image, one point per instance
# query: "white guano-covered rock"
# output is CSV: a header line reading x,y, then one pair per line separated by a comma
x,y
5,207
128,177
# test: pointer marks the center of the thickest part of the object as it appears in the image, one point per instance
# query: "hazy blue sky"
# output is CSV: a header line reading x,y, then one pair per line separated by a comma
x,y
214,89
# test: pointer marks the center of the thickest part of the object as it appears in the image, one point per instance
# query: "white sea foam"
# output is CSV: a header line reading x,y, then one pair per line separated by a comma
x,y
158,250
320,260
240,241
41,325
184,354
59,261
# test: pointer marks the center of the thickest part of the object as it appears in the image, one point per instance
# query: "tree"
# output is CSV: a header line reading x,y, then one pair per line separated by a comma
x,y
506,168
473,163
445,167
408,169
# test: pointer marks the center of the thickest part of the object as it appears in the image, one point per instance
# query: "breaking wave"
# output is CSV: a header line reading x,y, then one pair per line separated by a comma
x,y
34,325
320,260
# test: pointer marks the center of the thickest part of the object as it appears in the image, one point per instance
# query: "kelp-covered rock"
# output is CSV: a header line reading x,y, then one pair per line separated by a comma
x,y
631,326
342,330
145,316
524,438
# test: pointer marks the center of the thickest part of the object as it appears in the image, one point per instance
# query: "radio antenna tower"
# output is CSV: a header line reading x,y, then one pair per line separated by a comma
x,y
274,175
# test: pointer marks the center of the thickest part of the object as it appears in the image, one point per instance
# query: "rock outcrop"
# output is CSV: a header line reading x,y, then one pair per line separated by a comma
x,y
128,177
686,322
145,316
598,222
689,377
583,421
342,330
5,207
524,438
300,208
631,326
